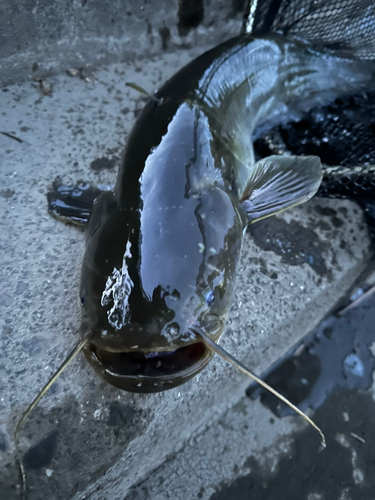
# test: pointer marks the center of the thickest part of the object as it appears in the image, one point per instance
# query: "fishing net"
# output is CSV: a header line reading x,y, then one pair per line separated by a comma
x,y
342,134
345,24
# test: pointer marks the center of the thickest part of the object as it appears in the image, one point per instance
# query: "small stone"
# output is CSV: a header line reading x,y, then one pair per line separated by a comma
x,y
72,72
97,413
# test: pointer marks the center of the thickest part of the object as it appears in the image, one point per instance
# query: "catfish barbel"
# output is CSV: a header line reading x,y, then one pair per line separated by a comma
x,y
162,248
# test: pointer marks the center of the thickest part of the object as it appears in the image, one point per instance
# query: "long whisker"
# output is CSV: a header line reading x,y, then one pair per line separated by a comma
x,y
78,348
228,357
135,86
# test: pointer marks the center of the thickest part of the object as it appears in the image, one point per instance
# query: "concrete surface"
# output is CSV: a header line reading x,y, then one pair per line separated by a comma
x,y
43,37
248,454
87,439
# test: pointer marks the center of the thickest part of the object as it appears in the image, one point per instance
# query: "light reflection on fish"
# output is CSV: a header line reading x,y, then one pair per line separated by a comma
x,y
163,247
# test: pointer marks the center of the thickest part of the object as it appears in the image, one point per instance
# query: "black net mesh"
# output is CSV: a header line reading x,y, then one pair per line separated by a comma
x,y
345,24
342,134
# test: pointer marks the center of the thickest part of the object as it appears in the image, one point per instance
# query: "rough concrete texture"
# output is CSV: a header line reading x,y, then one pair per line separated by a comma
x,y
218,453
248,454
87,438
41,37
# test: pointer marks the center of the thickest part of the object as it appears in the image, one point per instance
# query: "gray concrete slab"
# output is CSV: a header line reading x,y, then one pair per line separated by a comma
x,y
87,438
43,37
248,454
218,454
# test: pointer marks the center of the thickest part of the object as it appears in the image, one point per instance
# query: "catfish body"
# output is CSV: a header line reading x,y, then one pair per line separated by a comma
x,y
162,248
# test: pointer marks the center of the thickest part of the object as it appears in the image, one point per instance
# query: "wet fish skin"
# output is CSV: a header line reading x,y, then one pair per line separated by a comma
x,y
162,248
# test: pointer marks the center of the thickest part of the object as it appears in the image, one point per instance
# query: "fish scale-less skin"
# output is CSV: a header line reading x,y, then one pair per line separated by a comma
x,y
185,191
187,187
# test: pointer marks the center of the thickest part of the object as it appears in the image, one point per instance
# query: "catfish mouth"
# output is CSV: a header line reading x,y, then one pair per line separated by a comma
x,y
139,371
154,371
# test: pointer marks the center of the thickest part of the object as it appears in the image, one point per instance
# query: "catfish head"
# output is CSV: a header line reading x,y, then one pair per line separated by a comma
x,y
160,260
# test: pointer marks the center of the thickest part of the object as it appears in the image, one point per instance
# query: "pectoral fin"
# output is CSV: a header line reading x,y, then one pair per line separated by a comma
x,y
279,182
72,204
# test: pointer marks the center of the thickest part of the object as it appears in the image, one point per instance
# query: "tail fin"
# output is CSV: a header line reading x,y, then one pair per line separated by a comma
x,y
345,26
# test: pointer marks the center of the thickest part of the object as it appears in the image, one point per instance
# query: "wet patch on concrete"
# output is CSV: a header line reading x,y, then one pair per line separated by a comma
x,y
7,193
104,164
70,428
336,221
119,414
238,6
33,346
190,15
336,354
165,36
262,266
42,453
344,470
3,442
294,243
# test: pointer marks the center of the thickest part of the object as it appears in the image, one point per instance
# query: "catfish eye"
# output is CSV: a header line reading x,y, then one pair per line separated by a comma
x,y
210,298
83,300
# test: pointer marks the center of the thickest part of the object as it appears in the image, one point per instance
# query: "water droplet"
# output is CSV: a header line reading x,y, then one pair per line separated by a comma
x,y
353,365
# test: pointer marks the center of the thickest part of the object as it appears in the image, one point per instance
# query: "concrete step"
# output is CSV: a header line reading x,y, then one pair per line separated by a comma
x,y
248,453
86,436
